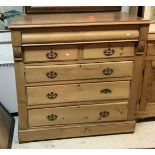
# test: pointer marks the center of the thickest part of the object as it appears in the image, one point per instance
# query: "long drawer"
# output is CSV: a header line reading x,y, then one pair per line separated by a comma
x,y
78,36
51,53
78,92
78,71
77,114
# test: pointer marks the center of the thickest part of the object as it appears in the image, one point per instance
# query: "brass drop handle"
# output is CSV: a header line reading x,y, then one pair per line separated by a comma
x,y
52,117
51,74
108,71
106,91
109,51
51,54
52,95
104,113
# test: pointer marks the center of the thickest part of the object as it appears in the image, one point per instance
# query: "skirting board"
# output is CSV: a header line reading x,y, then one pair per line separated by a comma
x,y
90,129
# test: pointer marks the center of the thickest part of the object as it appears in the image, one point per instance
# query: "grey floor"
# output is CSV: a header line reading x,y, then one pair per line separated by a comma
x,y
144,137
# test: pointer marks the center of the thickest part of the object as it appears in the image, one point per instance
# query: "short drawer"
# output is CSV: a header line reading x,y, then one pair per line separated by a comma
x,y
50,53
78,71
77,114
78,92
114,50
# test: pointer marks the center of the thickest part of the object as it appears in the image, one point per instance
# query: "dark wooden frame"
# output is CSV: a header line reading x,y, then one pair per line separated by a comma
x,y
60,9
9,128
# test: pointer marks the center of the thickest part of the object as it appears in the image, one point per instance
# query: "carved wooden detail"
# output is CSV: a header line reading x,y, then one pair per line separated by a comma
x,y
140,47
17,53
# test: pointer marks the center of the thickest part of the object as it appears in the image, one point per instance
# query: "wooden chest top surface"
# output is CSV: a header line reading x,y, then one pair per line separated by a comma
x,y
75,19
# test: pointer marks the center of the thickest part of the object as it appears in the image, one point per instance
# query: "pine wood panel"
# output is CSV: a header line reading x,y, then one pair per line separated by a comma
x,y
78,71
153,64
151,96
78,114
151,37
151,49
148,112
16,38
138,73
99,50
78,92
146,85
21,94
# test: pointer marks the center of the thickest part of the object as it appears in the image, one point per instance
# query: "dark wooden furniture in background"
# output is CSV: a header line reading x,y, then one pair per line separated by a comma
x,y
7,122
147,103
54,9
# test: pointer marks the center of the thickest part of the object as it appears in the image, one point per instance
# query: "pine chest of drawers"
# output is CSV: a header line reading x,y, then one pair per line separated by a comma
x,y
78,74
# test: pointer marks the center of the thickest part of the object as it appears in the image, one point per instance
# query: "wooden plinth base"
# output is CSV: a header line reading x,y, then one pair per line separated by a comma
x,y
79,130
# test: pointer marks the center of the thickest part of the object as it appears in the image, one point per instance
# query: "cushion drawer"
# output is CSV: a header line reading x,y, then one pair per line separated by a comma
x,y
50,53
78,92
78,71
108,51
77,114
78,35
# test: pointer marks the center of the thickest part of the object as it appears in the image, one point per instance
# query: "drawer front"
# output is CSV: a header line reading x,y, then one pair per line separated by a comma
x,y
78,36
108,51
78,71
52,54
78,92
77,114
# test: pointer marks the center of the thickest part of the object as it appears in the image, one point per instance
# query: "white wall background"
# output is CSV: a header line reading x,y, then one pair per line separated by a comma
x,y
8,88
7,75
